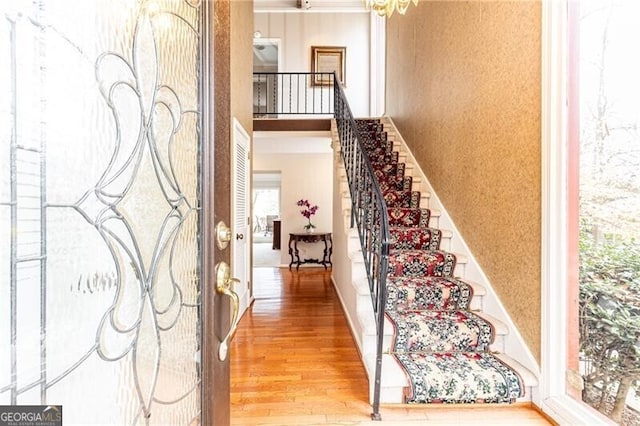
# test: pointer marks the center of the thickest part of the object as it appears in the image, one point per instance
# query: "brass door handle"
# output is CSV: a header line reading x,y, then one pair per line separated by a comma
x,y
223,287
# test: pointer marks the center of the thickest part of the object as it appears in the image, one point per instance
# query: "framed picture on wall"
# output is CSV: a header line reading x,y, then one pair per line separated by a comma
x,y
327,59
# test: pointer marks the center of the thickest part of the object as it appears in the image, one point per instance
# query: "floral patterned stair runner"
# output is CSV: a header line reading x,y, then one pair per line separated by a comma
x,y
409,217
440,331
437,293
405,199
420,263
415,238
442,346
398,184
459,377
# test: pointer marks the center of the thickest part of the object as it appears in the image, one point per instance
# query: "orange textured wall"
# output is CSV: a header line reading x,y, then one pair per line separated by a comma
x,y
463,86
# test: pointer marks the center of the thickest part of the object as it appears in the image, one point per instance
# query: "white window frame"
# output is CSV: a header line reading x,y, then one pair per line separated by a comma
x,y
553,397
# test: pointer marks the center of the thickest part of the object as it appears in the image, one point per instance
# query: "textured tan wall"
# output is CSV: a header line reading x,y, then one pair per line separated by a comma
x,y
242,62
463,86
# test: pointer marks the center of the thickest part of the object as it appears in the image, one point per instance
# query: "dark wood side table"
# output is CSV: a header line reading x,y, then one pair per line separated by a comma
x,y
305,237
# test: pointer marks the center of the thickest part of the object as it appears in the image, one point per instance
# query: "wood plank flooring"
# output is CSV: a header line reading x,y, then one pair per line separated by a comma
x,y
294,362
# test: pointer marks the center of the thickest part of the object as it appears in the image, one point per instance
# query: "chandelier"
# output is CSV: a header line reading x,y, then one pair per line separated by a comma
x,y
387,7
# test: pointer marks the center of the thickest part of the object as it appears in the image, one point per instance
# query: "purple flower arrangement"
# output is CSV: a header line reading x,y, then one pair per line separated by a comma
x,y
307,212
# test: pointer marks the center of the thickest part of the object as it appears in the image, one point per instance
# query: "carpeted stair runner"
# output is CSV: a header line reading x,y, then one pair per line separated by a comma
x,y
440,331
420,263
433,293
442,346
415,238
402,199
399,217
459,377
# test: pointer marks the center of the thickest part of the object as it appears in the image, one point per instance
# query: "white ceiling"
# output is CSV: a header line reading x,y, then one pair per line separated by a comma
x,y
292,143
309,6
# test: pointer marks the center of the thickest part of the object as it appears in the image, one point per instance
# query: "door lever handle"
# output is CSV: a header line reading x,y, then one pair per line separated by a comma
x,y
223,287
239,236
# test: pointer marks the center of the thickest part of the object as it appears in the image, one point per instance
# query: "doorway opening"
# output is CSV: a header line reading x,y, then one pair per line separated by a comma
x,y
266,220
266,57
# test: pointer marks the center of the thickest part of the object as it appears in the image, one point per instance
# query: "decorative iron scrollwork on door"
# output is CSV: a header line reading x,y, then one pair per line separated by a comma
x,y
109,198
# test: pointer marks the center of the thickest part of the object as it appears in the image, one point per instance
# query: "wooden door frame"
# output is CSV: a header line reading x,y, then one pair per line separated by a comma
x,y
216,204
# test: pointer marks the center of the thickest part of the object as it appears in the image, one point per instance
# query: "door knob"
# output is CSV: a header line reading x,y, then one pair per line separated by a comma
x,y
239,236
223,235
223,287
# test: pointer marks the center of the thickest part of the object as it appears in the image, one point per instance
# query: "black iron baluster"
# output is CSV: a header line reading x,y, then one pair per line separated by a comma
x,y
297,92
258,97
290,93
280,85
306,92
321,89
274,77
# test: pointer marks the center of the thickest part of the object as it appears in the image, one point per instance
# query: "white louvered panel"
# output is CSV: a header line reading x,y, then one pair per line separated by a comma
x,y
242,177
241,230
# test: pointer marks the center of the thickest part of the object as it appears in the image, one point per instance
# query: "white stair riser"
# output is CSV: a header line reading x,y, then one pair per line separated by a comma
x,y
476,303
458,271
369,341
390,395
364,299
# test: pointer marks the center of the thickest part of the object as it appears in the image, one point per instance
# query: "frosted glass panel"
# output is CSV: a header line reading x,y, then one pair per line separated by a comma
x,y
99,177
5,208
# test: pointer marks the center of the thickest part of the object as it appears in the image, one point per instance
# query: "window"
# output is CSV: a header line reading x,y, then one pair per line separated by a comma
x,y
609,202
590,141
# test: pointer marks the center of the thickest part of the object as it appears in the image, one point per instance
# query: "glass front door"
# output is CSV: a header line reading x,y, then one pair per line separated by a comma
x,y
100,165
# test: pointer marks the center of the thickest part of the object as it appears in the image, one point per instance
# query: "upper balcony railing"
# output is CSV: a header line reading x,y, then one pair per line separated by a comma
x,y
278,94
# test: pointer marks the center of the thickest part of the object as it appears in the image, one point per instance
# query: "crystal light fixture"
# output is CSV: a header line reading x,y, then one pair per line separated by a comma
x,y
387,7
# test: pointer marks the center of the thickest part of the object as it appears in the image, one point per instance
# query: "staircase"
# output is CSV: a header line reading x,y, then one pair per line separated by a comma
x,y
446,337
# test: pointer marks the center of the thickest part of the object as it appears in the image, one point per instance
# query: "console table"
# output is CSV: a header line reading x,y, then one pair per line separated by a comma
x,y
305,237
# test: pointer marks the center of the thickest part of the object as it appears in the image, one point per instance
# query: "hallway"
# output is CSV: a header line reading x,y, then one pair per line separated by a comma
x,y
293,362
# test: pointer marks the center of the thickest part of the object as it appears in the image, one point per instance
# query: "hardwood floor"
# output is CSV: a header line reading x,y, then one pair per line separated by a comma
x,y
294,362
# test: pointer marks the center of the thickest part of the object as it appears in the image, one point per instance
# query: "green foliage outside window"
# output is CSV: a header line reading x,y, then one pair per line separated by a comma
x,y
609,309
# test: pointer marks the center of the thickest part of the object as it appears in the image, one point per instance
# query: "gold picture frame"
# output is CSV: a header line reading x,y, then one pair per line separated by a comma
x,y
328,59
